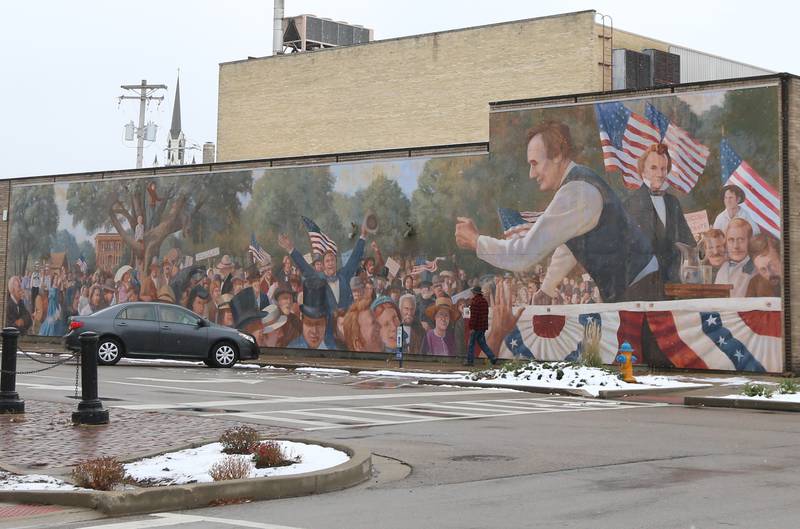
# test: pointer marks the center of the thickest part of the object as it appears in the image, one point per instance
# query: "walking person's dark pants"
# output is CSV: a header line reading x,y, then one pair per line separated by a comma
x,y
480,337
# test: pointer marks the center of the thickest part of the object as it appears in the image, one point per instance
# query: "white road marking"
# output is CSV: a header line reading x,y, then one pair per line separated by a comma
x,y
200,381
281,399
46,386
427,412
226,521
264,416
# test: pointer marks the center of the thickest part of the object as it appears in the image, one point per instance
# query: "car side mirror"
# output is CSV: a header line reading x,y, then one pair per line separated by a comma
x,y
201,322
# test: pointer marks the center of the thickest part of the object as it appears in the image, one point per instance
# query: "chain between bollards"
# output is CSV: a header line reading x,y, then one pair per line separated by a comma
x,y
9,398
90,408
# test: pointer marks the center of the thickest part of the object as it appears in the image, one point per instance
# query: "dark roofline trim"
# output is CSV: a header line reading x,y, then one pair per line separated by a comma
x,y
455,149
498,105
433,33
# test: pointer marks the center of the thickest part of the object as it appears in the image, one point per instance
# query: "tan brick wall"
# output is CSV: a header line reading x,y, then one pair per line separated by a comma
x,y
793,129
416,91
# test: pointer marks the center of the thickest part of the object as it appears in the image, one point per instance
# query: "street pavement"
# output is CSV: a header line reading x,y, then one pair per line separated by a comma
x,y
459,457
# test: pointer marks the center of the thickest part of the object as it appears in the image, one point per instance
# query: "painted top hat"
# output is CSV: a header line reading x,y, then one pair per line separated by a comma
x,y
315,292
244,308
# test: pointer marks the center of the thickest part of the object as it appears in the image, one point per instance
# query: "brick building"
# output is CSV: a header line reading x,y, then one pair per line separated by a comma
x,y
424,90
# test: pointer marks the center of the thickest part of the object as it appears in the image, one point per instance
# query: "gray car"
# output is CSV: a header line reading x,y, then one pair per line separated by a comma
x,y
160,330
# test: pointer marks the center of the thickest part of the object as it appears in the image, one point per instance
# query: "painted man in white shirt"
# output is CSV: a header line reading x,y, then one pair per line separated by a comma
x,y
584,223
739,268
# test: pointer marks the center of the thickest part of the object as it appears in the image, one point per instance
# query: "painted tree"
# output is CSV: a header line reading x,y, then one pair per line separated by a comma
x,y
282,196
34,220
167,205
384,197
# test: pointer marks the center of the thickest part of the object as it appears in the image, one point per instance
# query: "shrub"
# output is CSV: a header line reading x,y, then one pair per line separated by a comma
x,y
234,467
238,440
788,386
268,454
757,390
102,473
590,355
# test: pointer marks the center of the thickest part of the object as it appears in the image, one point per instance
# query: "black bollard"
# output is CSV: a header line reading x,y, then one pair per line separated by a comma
x,y
9,399
90,409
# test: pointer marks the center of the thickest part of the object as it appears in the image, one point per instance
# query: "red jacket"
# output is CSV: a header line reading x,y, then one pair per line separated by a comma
x,y
478,313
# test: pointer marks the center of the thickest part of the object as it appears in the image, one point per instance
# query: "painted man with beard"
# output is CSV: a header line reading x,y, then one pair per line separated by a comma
x,y
766,255
714,243
408,315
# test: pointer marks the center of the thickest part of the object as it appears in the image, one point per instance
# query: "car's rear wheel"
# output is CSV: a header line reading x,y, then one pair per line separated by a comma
x,y
223,354
109,352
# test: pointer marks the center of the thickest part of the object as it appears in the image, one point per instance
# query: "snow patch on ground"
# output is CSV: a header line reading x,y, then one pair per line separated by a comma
x,y
776,397
192,465
457,375
727,381
564,375
322,371
10,481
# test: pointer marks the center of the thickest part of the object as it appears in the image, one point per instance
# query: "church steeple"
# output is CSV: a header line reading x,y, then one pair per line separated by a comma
x,y
175,129
176,145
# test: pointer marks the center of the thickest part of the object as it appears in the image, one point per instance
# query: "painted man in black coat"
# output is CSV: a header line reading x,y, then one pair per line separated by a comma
x,y
659,214
17,314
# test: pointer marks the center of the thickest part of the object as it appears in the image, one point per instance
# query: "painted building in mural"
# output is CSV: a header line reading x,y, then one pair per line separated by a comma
x,y
655,218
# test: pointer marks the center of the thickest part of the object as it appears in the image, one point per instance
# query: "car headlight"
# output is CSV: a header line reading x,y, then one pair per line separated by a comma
x,y
247,337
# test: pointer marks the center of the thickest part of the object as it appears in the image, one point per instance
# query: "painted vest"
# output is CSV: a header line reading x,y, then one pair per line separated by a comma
x,y
614,251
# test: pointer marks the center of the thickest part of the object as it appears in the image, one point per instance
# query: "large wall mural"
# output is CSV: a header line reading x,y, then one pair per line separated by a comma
x,y
654,220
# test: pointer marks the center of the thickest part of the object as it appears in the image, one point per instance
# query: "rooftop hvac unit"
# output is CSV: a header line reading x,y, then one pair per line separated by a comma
x,y
308,32
665,67
630,70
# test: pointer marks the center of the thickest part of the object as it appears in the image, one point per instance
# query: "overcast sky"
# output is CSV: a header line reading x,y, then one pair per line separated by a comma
x,y
63,61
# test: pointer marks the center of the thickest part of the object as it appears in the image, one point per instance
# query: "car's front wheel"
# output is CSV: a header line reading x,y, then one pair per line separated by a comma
x,y
223,354
109,352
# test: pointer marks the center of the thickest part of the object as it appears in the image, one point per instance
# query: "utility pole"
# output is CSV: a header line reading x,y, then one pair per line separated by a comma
x,y
145,92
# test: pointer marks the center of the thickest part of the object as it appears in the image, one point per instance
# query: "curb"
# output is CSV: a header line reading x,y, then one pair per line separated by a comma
x,y
177,497
577,392
615,393
574,392
745,404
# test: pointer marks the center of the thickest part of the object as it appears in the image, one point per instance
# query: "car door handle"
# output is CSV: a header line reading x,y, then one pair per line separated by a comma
x,y
122,324
165,326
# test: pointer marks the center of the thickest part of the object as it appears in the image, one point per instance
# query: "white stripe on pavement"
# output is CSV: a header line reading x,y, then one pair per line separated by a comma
x,y
288,400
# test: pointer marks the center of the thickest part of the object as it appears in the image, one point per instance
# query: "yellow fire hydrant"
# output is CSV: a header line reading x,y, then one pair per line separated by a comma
x,y
626,358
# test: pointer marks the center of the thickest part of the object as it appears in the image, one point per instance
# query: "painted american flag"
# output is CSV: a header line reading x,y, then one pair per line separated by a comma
x,y
423,265
320,243
761,199
516,223
259,255
688,155
624,136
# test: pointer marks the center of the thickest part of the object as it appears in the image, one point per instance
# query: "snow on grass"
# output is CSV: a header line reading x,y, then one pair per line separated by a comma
x,y
777,397
564,375
457,375
322,371
10,481
192,465
722,381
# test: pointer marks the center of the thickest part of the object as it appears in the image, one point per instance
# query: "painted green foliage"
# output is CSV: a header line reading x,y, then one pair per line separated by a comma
x,y
34,219
196,206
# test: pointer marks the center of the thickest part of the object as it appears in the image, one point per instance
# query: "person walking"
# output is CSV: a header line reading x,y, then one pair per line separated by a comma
x,y
478,323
